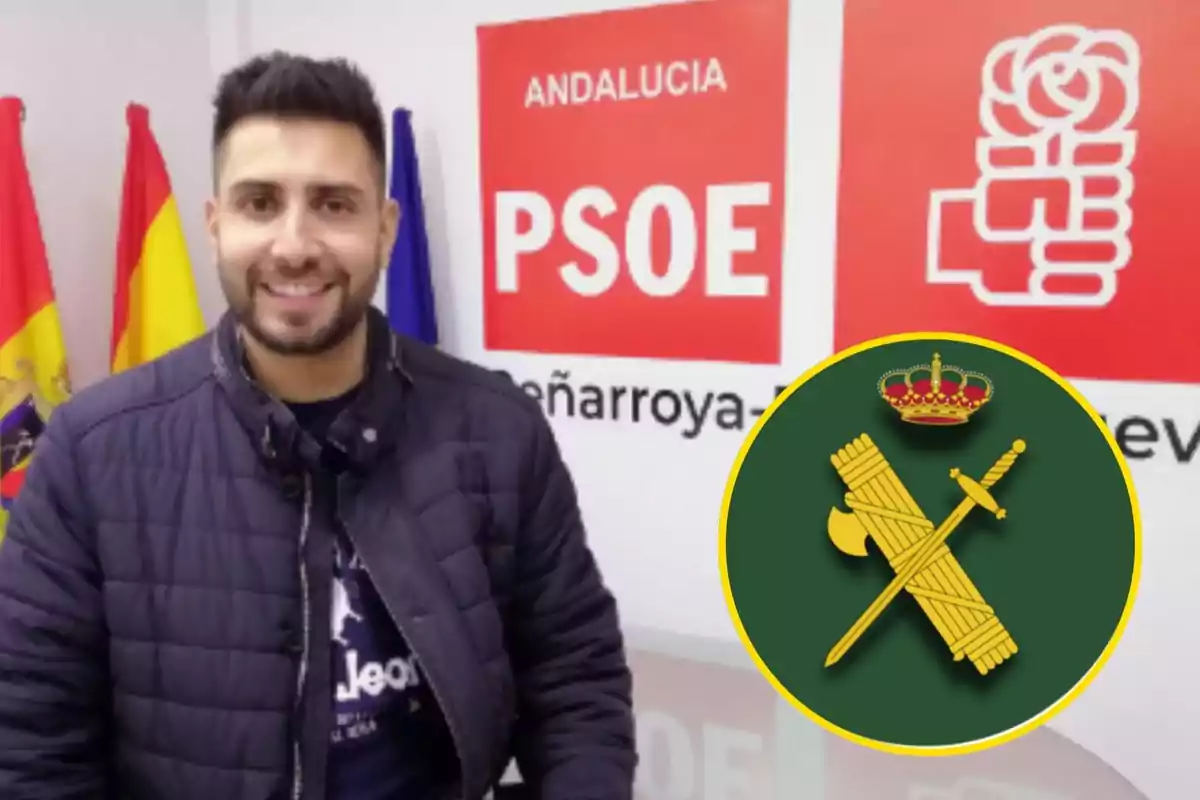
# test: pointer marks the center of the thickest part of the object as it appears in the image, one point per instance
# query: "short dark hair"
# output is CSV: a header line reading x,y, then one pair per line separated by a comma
x,y
284,85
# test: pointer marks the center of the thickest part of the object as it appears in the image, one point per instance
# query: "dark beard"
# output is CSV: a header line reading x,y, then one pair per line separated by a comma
x,y
350,313
322,341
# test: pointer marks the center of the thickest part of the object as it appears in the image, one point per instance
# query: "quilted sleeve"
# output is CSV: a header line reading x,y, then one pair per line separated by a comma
x,y
575,737
53,656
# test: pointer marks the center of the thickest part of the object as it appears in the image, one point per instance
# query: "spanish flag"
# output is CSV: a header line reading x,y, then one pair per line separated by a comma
x,y
155,307
33,365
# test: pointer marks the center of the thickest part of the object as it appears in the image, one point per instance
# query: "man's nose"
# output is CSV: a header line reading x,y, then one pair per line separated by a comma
x,y
295,241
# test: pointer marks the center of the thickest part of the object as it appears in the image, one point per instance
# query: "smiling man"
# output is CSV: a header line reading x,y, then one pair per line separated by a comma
x,y
304,557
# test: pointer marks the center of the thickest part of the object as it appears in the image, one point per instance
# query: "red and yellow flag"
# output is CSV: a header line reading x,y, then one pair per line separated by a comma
x,y
33,365
155,306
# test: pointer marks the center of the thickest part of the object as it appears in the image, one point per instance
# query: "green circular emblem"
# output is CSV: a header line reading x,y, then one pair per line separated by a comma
x,y
930,544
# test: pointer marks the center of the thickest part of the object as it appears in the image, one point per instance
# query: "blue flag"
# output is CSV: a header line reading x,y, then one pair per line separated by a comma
x,y
410,308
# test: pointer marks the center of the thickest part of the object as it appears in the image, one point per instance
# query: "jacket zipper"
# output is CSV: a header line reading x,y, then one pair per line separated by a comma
x,y
302,672
433,687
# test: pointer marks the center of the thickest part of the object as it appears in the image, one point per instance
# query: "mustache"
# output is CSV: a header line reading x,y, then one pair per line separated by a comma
x,y
257,274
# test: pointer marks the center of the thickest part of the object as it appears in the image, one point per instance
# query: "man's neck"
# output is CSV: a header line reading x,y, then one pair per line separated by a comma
x,y
309,378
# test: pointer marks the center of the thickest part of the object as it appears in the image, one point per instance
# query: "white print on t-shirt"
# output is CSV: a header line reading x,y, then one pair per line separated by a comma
x,y
371,678
343,612
353,726
374,678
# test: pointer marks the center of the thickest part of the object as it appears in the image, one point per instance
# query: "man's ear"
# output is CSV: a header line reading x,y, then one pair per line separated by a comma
x,y
390,225
210,218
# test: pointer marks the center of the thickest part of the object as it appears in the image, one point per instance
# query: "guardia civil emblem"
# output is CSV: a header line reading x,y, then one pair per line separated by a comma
x,y
930,544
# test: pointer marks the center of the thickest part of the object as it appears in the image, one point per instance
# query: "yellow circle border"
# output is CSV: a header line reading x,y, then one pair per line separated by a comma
x,y
997,739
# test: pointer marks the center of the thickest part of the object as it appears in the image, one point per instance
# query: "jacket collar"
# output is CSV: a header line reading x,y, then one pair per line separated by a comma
x,y
363,432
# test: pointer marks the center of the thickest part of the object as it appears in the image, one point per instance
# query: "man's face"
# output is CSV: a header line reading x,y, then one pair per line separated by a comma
x,y
301,230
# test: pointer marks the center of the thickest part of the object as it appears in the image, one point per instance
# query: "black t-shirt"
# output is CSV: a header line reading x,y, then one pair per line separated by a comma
x,y
389,739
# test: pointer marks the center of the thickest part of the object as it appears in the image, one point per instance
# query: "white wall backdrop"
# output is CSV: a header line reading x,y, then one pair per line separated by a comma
x,y
651,494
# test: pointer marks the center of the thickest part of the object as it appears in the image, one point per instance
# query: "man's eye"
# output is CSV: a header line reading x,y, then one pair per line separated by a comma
x,y
258,204
335,205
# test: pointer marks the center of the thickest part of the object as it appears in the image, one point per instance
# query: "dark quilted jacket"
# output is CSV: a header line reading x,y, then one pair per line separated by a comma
x,y
164,596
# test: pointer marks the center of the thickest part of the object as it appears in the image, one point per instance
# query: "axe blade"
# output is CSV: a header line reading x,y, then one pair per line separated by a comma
x,y
847,533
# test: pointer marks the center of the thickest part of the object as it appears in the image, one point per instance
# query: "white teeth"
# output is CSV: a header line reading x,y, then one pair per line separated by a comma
x,y
295,289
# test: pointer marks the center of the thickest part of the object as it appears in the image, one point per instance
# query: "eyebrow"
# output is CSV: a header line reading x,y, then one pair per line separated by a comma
x,y
319,189
350,189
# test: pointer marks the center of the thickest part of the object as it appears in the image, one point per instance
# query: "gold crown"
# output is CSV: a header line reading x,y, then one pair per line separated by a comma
x,y
935,394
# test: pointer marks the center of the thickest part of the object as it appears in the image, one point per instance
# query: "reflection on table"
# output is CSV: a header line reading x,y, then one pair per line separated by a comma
x,y
711,728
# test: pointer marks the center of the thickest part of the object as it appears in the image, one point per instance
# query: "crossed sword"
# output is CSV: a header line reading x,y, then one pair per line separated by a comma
x,y
977,494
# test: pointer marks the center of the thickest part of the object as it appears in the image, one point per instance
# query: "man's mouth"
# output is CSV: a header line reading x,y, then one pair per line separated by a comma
x,y
297,290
